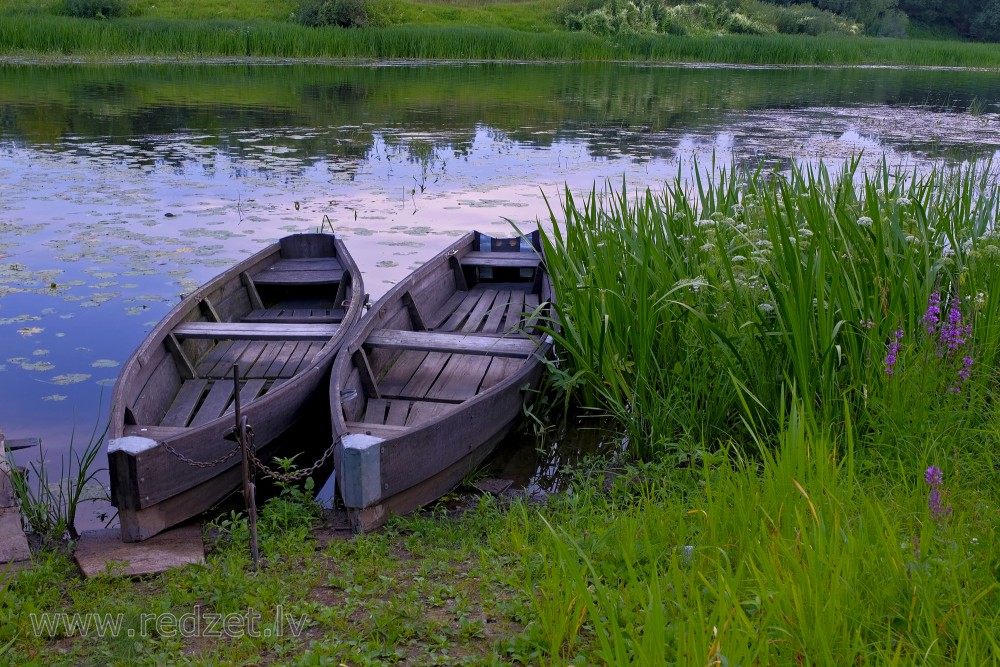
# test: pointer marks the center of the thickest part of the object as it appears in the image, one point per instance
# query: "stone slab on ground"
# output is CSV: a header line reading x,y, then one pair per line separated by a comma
x,y
493,486
103,552
13,543
7,498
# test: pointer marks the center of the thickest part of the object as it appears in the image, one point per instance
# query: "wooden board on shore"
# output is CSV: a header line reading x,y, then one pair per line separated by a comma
x,y
102,552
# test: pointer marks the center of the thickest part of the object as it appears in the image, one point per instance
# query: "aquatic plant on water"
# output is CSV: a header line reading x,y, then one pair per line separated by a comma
x,y
49,502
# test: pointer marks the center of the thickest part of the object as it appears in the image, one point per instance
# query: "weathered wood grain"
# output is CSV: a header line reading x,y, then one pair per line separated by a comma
x,y
460,378
515,312
501,259
99,552
457,317
452,343
250,390
401,371
297,278
185,403
256,331
495,318
425,375
214,404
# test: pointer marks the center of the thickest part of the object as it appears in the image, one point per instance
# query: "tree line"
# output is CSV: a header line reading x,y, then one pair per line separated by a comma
x,y
970,19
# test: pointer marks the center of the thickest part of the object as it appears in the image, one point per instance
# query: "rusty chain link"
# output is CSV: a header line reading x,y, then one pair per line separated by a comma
x,y
284,476
273,474
202,464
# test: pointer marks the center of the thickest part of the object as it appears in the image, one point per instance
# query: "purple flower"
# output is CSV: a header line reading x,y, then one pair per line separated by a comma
x,y
933,314
953,335
892,351
934,478
963,374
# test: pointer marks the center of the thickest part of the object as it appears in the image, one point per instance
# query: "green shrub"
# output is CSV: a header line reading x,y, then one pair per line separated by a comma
x,y
808,20
739,24
348,13
97,9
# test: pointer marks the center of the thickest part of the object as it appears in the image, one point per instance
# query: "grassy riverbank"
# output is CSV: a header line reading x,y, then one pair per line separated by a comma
x,y
499,31
810,555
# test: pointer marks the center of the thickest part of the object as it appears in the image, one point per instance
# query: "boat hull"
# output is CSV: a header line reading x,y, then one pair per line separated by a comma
x,y
435,376
171,454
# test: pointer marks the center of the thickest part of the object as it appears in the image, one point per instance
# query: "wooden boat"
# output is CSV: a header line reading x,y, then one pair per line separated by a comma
x,y
436,374
280,315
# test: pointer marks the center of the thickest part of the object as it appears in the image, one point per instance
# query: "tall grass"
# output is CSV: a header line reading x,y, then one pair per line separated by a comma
x,y
230,38
797,559
694,314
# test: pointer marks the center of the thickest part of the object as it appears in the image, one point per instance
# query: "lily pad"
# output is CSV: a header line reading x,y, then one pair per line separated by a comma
x,y
19,318
69,378
38,366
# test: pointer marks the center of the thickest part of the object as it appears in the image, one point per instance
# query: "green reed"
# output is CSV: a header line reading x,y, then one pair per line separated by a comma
x,y
41,33
693,315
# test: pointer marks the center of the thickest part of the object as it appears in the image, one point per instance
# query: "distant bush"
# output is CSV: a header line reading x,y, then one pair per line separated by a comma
x,y
748,17
986,25
347,13
806,20
97,9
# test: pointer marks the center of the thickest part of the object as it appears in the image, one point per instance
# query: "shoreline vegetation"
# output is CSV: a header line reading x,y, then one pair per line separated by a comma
x,y
462,30
802,371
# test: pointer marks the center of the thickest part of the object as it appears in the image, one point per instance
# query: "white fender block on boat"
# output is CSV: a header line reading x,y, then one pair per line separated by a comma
x,y
362,469
131,444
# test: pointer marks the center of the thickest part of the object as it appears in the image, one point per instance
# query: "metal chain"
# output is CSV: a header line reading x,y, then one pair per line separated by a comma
x,y
251,450
202,464
285,476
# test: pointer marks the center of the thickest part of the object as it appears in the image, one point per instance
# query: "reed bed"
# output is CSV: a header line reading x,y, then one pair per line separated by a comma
x,y
807,364
39,33
695,314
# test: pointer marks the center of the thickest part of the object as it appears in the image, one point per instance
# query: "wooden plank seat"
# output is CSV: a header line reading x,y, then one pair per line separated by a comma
x,y
517,260
295,315
453,343
256,331
304,271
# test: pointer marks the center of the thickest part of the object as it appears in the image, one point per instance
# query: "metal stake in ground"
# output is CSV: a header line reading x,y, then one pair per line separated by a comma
x,y
248,485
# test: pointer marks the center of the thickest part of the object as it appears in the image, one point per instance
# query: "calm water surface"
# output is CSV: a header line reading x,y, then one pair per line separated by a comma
x,y
124,187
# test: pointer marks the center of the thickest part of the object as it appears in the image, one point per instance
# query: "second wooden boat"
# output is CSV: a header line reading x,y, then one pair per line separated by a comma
x,y
280,316
436,374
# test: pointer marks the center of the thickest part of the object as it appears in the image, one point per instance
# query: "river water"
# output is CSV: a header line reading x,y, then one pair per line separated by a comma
x,y
123,187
